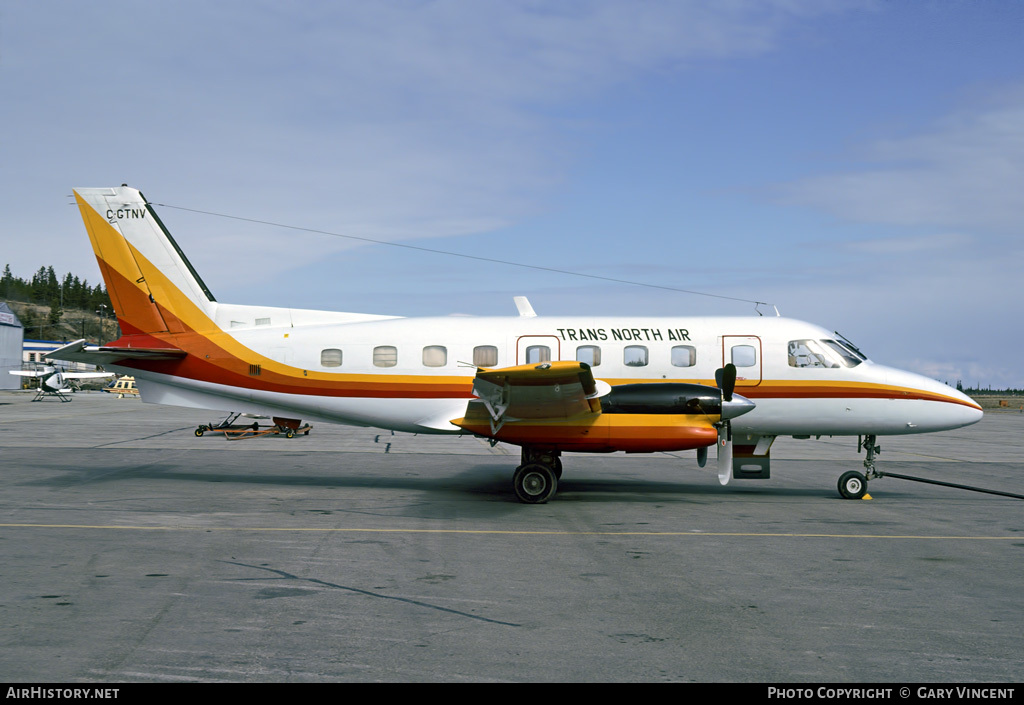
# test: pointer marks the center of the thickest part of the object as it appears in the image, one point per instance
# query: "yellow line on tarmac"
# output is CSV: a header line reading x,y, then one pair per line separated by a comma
x,y
511,532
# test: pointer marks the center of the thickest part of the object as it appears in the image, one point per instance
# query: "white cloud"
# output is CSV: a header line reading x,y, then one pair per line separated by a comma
x,y
965,171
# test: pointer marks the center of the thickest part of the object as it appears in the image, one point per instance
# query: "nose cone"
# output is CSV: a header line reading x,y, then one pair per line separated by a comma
x,y
965,410
738,406
937,407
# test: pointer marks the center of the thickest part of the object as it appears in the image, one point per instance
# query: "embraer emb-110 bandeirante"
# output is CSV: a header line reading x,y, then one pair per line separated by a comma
x,y
547,384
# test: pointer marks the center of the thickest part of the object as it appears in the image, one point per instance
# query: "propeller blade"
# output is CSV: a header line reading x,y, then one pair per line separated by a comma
x,y
724,453
725,378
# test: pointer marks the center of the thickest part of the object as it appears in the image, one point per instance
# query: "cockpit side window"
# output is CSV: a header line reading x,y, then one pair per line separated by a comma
x,y
821,354
810,353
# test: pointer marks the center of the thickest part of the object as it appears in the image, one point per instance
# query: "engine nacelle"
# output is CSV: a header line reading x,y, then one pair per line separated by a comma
x,y
663,398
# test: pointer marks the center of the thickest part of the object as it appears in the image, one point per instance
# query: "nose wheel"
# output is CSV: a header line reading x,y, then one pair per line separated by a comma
x,y
852,485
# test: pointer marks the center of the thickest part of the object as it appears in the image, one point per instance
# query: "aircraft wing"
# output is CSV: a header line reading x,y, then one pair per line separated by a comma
x,y
87,375
78,351
27,373
560,406
550,391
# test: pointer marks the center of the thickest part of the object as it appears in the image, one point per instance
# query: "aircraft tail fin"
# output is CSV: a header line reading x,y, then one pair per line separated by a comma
x,y
153,287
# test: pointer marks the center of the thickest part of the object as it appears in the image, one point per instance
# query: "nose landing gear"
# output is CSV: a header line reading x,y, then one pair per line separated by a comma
x,y
854,485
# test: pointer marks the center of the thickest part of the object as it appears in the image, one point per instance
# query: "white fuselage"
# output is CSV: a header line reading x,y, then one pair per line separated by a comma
x,y
436,360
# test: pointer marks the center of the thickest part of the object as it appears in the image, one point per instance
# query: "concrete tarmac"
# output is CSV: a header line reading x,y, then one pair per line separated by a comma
x,y
131,550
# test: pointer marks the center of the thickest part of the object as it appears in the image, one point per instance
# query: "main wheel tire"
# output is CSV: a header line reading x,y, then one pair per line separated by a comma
x,y
853,485
534,483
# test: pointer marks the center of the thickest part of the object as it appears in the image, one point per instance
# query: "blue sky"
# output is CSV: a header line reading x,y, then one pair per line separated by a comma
x,y
857,164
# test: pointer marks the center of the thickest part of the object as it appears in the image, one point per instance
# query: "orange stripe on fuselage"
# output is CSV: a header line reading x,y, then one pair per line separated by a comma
x,y
786,389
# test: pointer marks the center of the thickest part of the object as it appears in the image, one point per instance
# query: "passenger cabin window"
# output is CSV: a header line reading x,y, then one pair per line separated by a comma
x,y
635,356
744,355
330,357
435,356
538,353
485,356
684,356
590,354
385,356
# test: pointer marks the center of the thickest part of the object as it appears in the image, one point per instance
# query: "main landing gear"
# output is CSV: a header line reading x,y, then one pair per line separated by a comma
x,y
854,485
536,480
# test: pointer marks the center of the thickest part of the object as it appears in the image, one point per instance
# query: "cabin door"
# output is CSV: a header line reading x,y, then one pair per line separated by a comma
x,y
744,351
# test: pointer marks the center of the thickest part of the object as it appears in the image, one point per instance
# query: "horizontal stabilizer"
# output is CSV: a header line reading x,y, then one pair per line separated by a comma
x,y
78,351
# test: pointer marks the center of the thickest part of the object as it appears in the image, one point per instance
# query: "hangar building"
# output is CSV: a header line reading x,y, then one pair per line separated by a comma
x,y
12,335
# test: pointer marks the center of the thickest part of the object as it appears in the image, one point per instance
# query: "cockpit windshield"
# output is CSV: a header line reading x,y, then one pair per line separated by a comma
x,y
848,344
851,356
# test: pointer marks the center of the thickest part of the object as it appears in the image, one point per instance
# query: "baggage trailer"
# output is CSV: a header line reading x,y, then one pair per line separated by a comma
x,y
232,431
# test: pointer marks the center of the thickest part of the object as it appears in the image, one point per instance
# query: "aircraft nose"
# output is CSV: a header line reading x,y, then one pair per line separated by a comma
x,y
960,409
937,407
968,409
955,409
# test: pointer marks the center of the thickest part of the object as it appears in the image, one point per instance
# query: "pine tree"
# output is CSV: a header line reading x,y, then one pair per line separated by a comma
x,y
52,285
39,286
55,312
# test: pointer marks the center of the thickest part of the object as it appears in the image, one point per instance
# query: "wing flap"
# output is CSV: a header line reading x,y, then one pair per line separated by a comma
x,y
550,391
